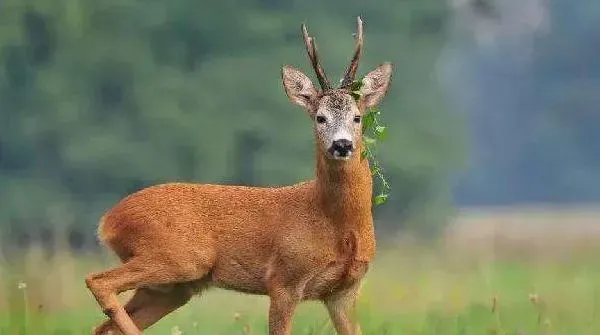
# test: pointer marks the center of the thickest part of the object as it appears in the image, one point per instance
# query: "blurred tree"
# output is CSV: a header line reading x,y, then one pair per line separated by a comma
x,y
101,98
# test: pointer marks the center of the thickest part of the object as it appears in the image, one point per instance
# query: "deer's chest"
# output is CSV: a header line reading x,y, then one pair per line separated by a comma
x,y
324,264
335,277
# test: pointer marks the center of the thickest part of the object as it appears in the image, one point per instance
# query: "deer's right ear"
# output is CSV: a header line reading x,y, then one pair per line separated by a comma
x,y
298,87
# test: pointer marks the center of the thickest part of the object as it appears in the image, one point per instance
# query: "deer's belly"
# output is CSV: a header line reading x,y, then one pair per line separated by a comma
x,y
314,282
237,275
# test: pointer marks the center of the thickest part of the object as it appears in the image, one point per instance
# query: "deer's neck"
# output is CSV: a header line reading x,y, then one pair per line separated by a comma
x,y
344,190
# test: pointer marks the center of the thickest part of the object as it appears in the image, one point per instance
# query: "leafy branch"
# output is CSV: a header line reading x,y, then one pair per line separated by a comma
x,y
373,132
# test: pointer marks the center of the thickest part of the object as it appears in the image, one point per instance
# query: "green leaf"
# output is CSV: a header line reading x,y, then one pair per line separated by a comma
x,y
374,111
380,132
380,199
369,140
356,85
375,169
368,120
355,95
375,133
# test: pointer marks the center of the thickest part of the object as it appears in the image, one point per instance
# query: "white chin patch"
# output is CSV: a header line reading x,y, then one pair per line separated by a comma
x,y
337,156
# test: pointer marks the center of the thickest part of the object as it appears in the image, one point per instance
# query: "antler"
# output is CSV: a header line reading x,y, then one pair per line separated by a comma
x,y
311,49
351,71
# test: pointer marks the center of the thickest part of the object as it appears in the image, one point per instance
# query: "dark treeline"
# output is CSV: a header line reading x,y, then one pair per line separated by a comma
x,y
101,98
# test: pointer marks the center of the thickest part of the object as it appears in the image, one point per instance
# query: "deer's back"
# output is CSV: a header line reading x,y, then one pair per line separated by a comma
x,y
194,214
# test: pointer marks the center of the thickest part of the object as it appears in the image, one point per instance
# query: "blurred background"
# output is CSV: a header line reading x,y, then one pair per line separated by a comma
x,y
494,128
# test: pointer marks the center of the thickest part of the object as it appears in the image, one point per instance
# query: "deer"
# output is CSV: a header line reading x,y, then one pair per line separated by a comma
x,y
313,240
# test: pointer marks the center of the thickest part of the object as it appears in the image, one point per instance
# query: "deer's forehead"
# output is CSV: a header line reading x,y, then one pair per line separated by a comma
x,y
338,104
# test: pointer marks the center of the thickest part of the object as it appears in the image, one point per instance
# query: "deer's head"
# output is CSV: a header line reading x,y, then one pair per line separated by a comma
x,y
335,113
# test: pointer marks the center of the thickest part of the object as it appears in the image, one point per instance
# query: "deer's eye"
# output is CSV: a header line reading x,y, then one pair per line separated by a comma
x,y
321,119
357,119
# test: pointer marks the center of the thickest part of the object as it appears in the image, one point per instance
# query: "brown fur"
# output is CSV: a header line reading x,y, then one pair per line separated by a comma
x,y
309,241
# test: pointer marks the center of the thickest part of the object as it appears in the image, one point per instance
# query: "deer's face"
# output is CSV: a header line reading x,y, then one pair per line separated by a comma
x,y
337,124
336,115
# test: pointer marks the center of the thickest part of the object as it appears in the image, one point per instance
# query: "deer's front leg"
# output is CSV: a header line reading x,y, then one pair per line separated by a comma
x,y
342,310
281,312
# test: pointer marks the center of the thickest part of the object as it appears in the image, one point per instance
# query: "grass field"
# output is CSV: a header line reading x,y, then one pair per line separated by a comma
x,y
484,277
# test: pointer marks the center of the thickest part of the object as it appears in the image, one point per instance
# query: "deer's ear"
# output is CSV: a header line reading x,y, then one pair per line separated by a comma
x,y
298,87
376,83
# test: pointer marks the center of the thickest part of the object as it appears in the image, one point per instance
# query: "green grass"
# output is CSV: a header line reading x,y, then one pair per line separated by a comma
x,y
415,290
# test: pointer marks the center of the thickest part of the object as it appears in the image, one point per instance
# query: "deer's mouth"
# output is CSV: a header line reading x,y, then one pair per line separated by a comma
x,y
341,149
340,154
339,157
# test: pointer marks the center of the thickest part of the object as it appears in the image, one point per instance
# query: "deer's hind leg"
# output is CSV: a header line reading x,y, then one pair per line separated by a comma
x,y
140,273
147,306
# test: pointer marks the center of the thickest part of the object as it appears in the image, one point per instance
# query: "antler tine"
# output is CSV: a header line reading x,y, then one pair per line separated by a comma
x,y
311,49
353,67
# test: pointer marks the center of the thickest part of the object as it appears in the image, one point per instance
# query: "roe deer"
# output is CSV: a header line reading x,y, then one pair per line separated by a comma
x,y
309,241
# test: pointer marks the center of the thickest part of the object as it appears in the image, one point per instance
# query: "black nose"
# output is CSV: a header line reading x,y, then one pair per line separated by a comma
x,y
343,147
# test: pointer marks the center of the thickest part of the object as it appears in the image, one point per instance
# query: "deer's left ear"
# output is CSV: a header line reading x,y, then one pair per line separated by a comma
x,y
375,84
